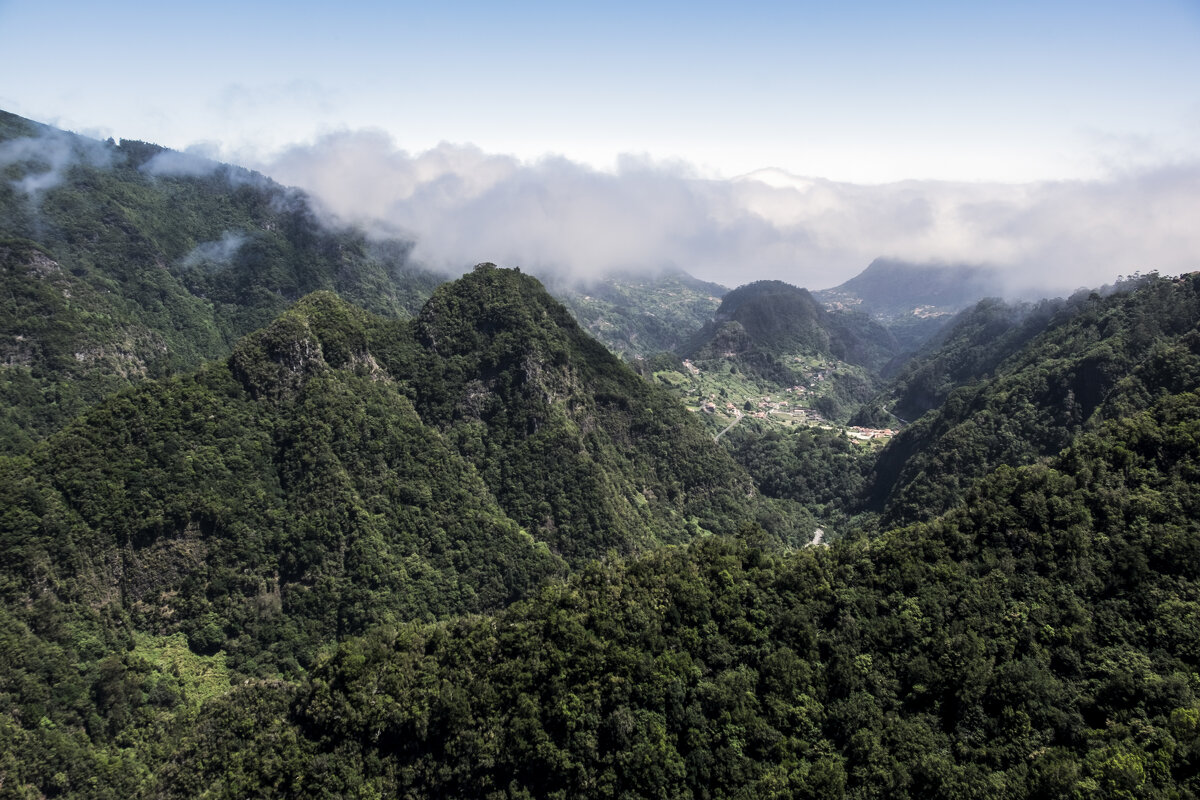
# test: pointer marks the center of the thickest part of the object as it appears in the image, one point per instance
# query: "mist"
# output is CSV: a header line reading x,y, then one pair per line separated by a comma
x,y
47,158
199,161
216,254
178,164
567,220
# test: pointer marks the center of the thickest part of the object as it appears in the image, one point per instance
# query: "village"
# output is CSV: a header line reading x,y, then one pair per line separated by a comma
x,y
791,409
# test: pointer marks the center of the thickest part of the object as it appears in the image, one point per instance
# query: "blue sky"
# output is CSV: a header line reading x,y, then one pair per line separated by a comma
x,y
1023,108
851,91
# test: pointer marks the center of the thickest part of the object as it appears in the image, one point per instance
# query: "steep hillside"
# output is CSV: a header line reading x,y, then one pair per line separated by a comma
x,y
1096,358
123,261
574,444
641,315
964,351
258,540
263,506
1039,641
340,470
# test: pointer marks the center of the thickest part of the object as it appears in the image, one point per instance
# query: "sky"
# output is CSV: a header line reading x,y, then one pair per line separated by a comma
x,y
788,140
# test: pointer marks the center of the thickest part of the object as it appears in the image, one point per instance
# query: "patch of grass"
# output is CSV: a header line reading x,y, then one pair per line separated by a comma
x,y
198,678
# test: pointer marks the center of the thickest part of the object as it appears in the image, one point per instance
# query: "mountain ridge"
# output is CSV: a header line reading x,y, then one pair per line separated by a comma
x,y
892,288
151,271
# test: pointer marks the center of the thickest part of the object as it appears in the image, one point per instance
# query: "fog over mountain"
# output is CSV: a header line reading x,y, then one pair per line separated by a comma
x,y
464,205
558,217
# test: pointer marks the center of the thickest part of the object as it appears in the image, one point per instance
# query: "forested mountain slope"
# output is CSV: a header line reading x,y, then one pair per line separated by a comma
x,y
966,350
575,445
1037,639
342,470
640,315
1095,358
125,261
1038,642
263,541
263,506
767,319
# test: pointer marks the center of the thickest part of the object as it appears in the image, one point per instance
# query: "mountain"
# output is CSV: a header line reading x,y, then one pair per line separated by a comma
x,y
913,301
341,469
638,316
777,335
575,444
124,261
264,505
1039,640
965,350
891,289
261,541
1093,358
774,318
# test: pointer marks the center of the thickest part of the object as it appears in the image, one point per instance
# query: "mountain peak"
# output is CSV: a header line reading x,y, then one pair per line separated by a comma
x,y
320,332
496,312
890,288
772,315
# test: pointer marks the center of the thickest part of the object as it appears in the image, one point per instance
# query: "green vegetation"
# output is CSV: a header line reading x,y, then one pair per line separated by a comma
x,y
773,336
260,540
637,316
817,467
198,679
965,351
122,262
1098,358
1038,642
342,470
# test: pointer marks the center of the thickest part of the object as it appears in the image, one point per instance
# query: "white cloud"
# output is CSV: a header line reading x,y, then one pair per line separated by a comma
x,y
198,161
215,254
48,156
175,164
553,215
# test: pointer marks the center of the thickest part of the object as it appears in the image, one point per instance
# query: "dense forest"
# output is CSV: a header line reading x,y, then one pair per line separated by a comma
x,y
284,515
125,261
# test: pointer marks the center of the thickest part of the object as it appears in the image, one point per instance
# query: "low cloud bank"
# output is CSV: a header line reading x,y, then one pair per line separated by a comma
x,y
558,217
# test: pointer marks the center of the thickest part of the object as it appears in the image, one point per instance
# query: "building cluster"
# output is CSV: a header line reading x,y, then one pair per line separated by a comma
x,y
866,434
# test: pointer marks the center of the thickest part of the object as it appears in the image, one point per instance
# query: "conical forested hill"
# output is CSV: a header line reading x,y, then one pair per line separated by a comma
x,y
776,334
771,318
341,470
575,445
